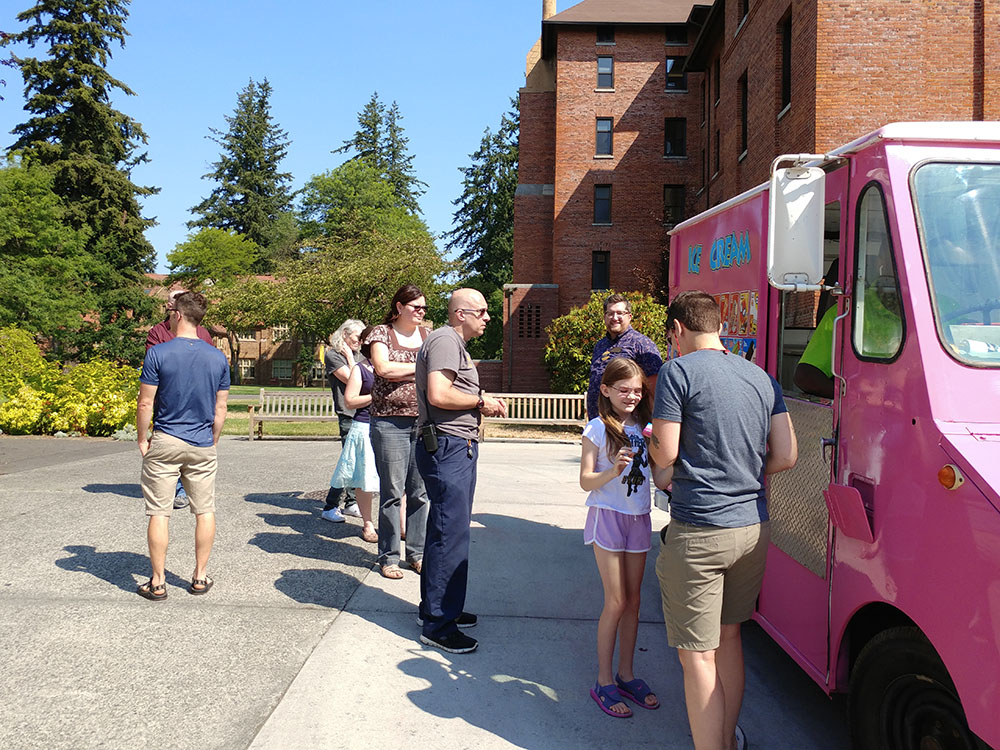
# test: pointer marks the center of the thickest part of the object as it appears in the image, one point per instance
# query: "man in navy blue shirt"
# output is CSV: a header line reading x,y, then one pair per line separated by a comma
x,y
187,381
622,341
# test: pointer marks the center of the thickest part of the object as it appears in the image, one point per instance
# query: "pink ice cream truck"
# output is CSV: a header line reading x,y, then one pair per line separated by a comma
x,y
883,576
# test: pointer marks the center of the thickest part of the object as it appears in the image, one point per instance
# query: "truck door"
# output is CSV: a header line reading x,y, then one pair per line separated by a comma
x,y
869,338
794,600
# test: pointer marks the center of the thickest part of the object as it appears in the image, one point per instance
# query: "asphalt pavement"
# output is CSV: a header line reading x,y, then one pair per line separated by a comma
x,y
301,643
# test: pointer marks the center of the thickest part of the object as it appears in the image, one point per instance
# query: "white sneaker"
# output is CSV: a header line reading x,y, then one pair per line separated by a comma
x,y
352,509
333,515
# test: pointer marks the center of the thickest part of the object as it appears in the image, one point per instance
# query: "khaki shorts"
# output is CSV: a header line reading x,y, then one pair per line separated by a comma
x,y
709,577
169,457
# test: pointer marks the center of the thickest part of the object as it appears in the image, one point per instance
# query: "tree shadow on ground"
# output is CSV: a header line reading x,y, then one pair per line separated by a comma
x,y
125,490
306,534
120,569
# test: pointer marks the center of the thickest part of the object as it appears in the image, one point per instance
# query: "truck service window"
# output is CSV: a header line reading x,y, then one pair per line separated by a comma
x,y
956,207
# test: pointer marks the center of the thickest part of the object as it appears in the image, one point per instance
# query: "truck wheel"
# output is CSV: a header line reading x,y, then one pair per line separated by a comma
x,y
903,699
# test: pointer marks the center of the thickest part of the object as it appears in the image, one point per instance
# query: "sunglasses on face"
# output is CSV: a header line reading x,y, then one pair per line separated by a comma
x,y
417,308
479,312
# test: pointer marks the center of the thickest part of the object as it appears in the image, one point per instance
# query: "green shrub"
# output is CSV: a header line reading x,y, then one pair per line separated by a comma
x,y
572,337
94,398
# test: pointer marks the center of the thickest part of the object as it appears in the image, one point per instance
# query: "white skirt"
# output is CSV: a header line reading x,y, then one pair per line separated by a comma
x,y
356,467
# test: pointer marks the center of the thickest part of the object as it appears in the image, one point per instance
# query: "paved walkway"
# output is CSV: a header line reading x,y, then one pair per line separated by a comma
x,y
301,644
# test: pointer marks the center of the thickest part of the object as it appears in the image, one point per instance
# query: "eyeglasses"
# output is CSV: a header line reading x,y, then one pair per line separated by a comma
x,y
417,308
625,392
617,314
479,313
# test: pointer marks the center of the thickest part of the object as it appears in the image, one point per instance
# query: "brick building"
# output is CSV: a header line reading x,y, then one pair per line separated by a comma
x,y
636,114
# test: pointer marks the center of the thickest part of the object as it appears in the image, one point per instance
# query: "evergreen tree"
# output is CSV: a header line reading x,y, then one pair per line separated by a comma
x,y
484,222
380,143
90,148
251,197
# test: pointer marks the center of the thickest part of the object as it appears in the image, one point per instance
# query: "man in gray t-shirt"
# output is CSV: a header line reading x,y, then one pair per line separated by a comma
x,y
450,404
721,424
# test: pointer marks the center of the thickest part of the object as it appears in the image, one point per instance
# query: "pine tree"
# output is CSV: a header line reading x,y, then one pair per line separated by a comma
x,y
484,220
484,223
380,143
90,148
251,196
73,128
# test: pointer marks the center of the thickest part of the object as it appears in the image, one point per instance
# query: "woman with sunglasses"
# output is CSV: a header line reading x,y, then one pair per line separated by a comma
x,y
394,347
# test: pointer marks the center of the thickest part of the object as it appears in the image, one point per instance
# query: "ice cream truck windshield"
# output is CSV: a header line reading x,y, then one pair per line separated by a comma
x,y
956,207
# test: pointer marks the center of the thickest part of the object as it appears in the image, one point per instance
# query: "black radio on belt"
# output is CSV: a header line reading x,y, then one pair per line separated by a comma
x,y
428,433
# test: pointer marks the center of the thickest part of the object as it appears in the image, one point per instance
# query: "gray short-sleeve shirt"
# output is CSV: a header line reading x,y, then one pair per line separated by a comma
x,y
444,350
724,405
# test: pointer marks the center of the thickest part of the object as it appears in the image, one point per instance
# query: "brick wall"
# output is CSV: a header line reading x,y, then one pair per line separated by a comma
x,y
528,310
889,60
533,199
490,375
636,239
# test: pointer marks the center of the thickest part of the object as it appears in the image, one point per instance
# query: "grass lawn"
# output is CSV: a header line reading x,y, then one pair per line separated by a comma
x,y
254,390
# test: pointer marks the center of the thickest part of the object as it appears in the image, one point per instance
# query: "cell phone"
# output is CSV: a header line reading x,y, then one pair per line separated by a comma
x,y
428,433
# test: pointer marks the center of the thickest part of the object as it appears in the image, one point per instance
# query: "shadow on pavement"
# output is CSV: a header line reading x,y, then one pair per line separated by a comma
x,y
125,490
117,568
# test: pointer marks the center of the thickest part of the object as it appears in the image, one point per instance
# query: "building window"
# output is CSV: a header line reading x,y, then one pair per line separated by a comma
x,y
605,34
605,145
248,369
529,321
785,32
677,79
279,332
602,204
247,335
317,371
744,113
605,72
718,151
673,205
281,369
677,34
675,136
600,270
717,80
704,101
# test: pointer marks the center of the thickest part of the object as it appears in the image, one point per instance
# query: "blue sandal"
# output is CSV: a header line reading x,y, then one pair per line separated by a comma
x,y
608,696
636,691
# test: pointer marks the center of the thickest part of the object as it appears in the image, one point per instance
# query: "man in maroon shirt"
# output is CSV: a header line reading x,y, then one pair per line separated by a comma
x,y
159,334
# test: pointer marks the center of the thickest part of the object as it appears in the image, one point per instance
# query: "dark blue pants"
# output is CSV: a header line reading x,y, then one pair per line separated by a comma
x,y
450,478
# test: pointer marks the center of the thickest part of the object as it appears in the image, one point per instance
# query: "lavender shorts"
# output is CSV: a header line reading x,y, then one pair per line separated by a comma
x,y
617,532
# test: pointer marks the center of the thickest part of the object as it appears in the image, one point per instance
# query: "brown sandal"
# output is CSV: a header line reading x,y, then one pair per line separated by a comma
x,y
369,534
416,565
392,571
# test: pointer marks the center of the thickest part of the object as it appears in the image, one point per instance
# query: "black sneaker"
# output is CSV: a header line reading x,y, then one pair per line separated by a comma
x,y
454,643
465,620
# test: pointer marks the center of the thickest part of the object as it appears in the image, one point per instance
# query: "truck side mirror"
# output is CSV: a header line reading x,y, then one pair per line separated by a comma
x,y
795,225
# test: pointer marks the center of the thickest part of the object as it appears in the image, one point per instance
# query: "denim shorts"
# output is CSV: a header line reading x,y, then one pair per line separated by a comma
x,y
617,532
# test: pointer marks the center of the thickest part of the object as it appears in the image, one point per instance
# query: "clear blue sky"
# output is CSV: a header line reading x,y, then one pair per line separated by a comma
x,y
452,66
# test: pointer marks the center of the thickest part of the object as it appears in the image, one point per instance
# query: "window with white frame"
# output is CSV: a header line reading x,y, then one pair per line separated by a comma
x,y
281,369
248,369
247,335
279,332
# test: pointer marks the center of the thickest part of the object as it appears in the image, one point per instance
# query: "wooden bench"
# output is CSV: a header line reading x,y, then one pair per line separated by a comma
x,y
542,409
289,406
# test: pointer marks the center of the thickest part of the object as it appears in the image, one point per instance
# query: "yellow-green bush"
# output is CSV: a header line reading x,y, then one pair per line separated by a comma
x,y
94,398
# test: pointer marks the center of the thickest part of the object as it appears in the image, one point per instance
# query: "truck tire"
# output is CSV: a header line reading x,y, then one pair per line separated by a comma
x,y
901,697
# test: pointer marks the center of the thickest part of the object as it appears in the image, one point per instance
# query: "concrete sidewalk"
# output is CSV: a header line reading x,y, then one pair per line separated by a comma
x,y
301,644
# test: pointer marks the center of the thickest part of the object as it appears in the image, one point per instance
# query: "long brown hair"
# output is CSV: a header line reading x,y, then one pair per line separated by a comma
x,y
405,293
620,369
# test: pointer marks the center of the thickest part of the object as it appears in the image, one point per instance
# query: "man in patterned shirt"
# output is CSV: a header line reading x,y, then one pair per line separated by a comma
x,y
622,341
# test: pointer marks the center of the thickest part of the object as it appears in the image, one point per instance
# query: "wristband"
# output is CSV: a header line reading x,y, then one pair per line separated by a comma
x,y
481,403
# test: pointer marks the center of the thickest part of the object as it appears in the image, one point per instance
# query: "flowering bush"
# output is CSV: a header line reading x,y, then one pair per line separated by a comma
x,y
94,398
572,337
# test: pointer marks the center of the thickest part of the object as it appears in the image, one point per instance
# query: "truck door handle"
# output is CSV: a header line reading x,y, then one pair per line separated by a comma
x,y
825,443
